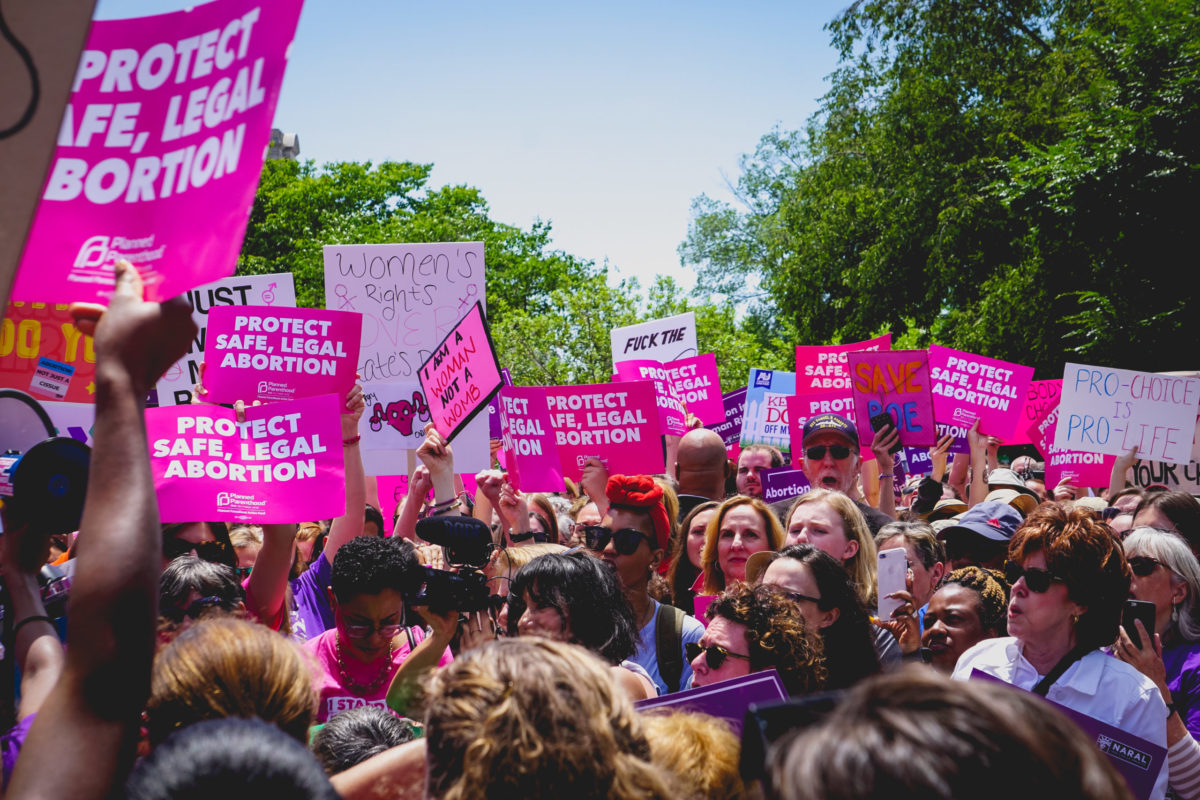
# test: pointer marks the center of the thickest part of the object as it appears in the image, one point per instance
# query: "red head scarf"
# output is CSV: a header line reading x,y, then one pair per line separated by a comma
x,y
641,493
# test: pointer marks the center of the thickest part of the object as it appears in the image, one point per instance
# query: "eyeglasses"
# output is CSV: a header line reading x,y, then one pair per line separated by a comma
x,y
1143,565
388,631
714,656
800,598
838,451
215,551
196,608
243,572
625,541
1037,580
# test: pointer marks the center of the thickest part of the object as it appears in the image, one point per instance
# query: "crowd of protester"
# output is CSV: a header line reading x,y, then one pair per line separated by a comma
x,y
315,659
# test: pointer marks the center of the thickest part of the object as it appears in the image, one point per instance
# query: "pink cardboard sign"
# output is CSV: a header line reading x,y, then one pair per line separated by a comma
x,y
822,367
283,464
967,387
271,354
671,415
531,452
614,422
801,407
698,384
1040,396
895,382
393,489
159,151
1081,469
461,374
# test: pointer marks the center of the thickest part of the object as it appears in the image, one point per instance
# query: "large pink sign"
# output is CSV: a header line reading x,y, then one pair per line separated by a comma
x,y
530,448
671,414
896,383
1082,469
461,374
159,151
822,367
271,354
968,387
614,422
802,406
1040,396
283,464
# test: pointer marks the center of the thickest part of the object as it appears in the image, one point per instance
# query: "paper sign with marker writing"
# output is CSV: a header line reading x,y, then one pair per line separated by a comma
x,y
823,367
1040,396
667,339
531,451
461,375
967,387
261,353
282,464
277,291
159,151
394,419
1106,410
1079,468
410,296
766,420
44,354
783,483
672,417
614,422
895,382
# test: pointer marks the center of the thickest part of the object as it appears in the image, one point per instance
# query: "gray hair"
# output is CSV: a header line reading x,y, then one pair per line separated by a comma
x,y
1174,553
920,535
188,573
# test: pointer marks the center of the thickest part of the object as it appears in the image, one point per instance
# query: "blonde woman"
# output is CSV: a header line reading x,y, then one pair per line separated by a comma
x,y
831,522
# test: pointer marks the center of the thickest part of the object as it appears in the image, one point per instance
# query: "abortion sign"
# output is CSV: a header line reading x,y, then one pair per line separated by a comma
x,y
282,464
1041,396
672,418
1079,468
783,483
614,422
166,127
766,420
258,353
967,387
531,449
667,339
896,383
461,374
823,367
1112,410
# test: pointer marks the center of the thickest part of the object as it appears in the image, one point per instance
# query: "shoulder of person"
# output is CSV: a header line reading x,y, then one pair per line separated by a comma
x,y
982,655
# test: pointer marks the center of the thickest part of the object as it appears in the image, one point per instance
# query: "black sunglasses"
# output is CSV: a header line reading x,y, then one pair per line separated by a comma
x,y
625,541
800,598
1037,580
195,609
714,656
516,537
838,451
214,551
1143,565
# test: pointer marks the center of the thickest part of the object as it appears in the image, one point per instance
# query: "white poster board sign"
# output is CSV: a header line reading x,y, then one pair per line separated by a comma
x,y
666,339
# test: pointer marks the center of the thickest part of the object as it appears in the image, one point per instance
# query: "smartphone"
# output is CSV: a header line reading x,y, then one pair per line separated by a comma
x,y
891,574
1134,610
882,420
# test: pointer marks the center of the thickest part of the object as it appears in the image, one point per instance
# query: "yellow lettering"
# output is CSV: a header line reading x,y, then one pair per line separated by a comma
x,y
8,337
29,338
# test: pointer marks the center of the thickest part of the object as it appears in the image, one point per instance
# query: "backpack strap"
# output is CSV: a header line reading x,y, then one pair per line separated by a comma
x,y
668,645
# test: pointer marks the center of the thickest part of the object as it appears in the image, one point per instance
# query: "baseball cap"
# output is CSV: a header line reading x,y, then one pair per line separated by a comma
x,y
830,423
990,519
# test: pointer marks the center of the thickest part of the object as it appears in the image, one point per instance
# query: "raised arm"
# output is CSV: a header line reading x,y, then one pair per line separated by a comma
x,y
881,445
350,523
93,711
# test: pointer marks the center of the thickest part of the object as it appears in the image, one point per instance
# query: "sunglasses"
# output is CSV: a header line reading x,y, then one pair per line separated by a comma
x,y
516,537
714,656
625,541
1143,565
388,631
1037,580
215,551
196,608
838,451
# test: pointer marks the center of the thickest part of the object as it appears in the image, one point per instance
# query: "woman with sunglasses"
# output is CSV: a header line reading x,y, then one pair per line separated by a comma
x,y
1069,583
754,628
741,527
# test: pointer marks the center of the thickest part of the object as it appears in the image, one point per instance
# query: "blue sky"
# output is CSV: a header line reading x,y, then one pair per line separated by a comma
x,y
604,119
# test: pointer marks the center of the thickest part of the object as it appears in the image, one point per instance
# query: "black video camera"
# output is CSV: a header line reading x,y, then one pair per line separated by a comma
x,y
467,545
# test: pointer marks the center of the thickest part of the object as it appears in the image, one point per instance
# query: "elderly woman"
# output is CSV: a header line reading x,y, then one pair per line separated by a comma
x,y
1069,581
741,527
754,628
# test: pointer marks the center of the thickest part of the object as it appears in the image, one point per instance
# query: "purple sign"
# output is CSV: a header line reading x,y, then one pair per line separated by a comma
x,y
731,429
727,700
783,483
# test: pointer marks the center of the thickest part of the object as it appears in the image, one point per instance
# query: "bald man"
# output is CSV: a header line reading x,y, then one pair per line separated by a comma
x,y
701,468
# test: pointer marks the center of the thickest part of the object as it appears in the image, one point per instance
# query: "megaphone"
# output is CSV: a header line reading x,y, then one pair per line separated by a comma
x,y
43,477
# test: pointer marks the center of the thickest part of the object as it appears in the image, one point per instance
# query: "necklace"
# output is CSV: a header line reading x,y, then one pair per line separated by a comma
x,y
354,686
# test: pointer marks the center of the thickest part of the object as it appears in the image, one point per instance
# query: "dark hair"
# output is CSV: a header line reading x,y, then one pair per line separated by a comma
x,y
772,452
1127,492
372,514
682,574
775,634
369,565
586,593
915,734
1079,549
189,573
849,642
1179,507
355,735
234,759
993,593
219,530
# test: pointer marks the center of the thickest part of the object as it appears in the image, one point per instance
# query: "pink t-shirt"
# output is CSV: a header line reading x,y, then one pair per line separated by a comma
x,y
335,698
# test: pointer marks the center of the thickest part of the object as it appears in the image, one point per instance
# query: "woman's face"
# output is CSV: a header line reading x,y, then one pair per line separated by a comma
x,y
952,624
1160,588
1044,619
543,619
1153,517
732,637
820,525
367,623
742,533
695,536
797,579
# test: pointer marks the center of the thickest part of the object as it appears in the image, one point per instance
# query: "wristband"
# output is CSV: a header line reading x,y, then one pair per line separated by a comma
x,y
34,618
889,475
352,440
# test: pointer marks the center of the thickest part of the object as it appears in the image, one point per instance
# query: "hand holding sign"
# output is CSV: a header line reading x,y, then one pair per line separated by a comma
x,y
462,374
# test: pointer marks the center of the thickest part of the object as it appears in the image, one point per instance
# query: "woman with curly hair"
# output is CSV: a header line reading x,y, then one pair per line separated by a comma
x,y
969,606
741,527
753,628
535,718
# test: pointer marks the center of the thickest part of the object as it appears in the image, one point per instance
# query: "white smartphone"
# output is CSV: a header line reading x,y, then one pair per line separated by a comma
x,y
891,574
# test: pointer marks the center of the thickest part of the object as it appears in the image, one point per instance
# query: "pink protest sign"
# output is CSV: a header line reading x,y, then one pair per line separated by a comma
x,y
271,354
698,384
614,422
283,464
895,382
822,367
671,415
159,151
531,452
461,374
967,387
1040,396
393,489
1081,469
802,406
